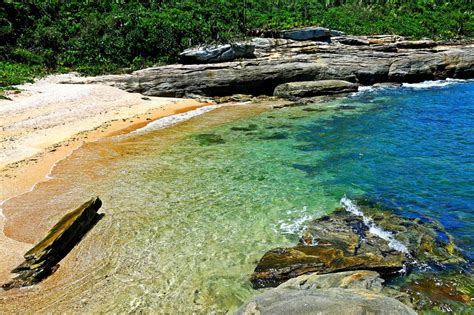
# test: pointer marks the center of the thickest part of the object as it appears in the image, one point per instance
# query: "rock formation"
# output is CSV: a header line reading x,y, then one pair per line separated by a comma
x,y
343,241
43,259
279,61
314,88
355,292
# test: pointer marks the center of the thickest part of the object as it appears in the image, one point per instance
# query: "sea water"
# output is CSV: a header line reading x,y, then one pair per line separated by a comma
x,y
189,210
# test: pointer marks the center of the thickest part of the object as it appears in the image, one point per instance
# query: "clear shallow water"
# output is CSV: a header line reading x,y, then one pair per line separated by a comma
x,y
190,209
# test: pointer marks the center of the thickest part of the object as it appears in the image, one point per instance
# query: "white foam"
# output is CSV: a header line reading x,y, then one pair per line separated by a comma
x,y
292,225
432,84
174,119
350,206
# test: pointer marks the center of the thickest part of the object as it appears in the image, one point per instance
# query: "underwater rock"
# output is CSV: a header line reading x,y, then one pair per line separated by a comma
x,y
276,136
356,292
314,88
444,293
209,139
345,241
42,260
250,127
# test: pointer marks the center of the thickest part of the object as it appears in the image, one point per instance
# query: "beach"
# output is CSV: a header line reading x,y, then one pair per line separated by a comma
x,y
45,123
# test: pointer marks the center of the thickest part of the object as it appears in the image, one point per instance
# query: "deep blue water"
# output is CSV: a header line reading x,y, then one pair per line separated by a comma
x,y
410,148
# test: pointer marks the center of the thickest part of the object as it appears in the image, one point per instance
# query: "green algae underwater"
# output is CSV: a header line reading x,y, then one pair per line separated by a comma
x,y
190,209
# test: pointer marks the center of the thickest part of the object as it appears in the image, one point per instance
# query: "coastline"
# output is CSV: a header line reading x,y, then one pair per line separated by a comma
x,y
34,145
68,271
21,171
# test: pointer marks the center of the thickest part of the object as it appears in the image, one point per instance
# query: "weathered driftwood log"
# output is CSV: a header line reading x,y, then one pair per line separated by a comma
x,y
43,259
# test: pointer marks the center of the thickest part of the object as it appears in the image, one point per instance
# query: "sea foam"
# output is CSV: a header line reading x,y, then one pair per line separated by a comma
x,y
432,84
351,207
174,119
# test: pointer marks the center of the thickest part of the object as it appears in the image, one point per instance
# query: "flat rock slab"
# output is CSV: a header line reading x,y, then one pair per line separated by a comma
x,y
314,88
43,258
324,301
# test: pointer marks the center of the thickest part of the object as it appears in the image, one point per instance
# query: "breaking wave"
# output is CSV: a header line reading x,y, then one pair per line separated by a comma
x,y
351,207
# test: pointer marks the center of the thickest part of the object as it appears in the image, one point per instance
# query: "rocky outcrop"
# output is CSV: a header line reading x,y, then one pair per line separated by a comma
x,y
352,40
346,241
281,61
217,54
307,33
356,292
416,44
43,259
314,88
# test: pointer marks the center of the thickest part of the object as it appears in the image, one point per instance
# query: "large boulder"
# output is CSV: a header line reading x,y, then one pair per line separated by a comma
x,y
370,239
356,292
222,53
42,259
314,88
307,33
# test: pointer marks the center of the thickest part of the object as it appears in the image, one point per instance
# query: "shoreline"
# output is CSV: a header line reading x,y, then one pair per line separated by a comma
x,y
137,126
23,175
37,158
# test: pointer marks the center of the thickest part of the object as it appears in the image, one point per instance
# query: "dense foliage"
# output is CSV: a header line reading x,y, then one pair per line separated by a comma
x,y
101,36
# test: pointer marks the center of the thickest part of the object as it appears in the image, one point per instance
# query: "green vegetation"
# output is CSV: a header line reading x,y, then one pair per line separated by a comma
x,y
109,36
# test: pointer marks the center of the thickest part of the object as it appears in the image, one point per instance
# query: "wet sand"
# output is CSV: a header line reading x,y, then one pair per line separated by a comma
x,y
46,123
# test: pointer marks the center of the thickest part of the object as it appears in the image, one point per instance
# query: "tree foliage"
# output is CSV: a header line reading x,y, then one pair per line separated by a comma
x,y
99,36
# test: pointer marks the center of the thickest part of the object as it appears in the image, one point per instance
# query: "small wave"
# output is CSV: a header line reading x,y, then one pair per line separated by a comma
x,y
174,119
432,84
350,206
292,226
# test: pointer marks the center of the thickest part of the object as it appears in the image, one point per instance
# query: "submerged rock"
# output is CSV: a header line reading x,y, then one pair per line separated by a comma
x,y
276,136
356,292
378,241
446,293
43,259
209,139
314,88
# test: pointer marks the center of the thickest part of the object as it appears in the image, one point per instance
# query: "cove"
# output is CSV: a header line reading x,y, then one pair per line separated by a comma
x,y
190,209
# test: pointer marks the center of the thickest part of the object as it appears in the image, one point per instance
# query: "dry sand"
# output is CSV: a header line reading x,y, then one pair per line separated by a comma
x,y
47,121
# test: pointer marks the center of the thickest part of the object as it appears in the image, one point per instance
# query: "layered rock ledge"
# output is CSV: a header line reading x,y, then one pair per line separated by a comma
x,y
364,60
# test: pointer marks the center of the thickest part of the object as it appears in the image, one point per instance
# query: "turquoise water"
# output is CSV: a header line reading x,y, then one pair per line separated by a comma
x,y
411,148
190,209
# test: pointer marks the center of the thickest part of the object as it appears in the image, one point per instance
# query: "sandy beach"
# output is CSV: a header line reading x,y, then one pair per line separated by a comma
x,y
47,121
